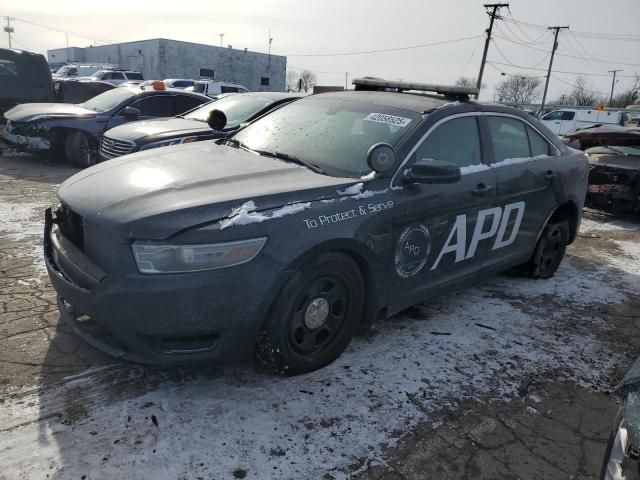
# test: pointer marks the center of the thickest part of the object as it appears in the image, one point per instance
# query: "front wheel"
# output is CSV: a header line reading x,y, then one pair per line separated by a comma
x,y
314,317
549,251
81,149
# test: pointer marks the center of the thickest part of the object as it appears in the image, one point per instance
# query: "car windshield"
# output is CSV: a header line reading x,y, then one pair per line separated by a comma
x,y
615,149
237,108
107,100
333,134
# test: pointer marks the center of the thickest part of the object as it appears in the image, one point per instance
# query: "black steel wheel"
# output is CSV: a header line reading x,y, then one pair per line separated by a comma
x,y
82,149
550,250
314,317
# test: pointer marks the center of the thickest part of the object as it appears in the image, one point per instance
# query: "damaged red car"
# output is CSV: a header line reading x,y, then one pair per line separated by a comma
x,y
614,165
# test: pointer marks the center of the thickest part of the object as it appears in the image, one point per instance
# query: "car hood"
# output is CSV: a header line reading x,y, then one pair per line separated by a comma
x,y
623,162
163,126
30,111
157,193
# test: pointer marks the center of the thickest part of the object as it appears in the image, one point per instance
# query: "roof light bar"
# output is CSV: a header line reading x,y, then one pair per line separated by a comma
x,y
447,90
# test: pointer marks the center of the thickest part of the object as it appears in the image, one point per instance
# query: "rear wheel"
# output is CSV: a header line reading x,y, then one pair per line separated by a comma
x,y
315,316
82,149
549,251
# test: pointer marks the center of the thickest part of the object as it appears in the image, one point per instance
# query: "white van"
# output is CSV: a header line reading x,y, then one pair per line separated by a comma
x,y
562,121
212,88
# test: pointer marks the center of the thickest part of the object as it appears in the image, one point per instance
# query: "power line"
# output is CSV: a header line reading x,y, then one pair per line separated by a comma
x,y
597,35
495,44
559,71
74,34
422,45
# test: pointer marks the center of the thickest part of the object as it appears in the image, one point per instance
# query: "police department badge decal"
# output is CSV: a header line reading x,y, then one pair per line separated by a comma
x,y
412,250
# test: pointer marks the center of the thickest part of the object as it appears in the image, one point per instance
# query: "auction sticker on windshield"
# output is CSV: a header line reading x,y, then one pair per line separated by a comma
x,y
388,119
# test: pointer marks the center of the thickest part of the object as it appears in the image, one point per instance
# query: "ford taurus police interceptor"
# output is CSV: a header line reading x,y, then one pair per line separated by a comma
x,y
308,224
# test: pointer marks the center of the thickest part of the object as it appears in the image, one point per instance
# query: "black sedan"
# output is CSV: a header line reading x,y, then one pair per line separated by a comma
x,y
237,109
74,131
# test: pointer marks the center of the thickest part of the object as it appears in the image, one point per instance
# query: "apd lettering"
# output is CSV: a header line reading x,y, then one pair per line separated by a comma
x,y
499,220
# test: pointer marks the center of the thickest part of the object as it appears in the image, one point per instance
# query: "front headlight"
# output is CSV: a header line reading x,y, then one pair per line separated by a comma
x,y
166,143
165,258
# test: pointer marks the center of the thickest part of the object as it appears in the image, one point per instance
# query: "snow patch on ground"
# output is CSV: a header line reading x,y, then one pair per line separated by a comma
x,y
589,225
19,221
477,342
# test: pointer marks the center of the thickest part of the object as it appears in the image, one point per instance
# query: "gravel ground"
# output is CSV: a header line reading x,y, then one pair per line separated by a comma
x,y
505,380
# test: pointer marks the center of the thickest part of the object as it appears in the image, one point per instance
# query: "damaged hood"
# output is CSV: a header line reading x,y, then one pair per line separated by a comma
x,y
162,127
32,111
623,162
157,193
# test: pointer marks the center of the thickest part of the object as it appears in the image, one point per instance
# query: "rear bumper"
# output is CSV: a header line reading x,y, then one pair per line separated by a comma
x,y
188,319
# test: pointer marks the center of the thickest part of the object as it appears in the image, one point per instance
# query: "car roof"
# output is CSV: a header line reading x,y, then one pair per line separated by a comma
x,y
414,102
275,96
143,93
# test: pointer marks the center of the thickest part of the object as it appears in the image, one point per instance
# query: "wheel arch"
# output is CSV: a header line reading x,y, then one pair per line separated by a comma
x,y
366,260
567,211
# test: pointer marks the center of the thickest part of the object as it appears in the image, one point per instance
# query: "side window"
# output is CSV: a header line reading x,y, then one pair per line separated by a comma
x,y
509,138
156,106
117,76
455,141
8,68
539,146
225,89
568,115
183,104
557,115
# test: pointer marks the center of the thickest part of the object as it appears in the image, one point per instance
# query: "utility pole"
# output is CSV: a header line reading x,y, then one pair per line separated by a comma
x,y
553,52
221,35
270,41
9,29
613,83
493,14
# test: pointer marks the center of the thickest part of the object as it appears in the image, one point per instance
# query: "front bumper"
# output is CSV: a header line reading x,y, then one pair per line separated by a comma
x,y
32,143
182,319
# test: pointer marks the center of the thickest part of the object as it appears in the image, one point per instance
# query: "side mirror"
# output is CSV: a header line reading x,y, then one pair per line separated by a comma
x,y
381,157
216,119
131,112
432,171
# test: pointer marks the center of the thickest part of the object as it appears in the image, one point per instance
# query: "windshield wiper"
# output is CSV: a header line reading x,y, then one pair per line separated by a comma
x,y
291,158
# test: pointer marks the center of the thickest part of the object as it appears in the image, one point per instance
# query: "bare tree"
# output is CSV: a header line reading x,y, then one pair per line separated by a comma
x,y
465,82
307,80
628,96
519,89
582,94
292,80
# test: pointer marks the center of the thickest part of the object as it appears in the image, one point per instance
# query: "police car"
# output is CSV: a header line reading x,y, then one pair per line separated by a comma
x,y
308,224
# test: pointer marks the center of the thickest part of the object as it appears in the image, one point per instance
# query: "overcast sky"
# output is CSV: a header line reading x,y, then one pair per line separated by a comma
x,y
336,26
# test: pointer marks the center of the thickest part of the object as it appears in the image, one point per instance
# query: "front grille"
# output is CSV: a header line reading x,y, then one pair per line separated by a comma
x,y
113,147
71,226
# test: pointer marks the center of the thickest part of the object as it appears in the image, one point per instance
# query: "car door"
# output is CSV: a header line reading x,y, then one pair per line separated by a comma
x,y
553,121
528,186
150,106
567,122
437,237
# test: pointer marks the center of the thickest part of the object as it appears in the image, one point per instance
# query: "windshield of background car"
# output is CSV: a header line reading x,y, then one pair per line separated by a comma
x,y
333,134
237,108
108,100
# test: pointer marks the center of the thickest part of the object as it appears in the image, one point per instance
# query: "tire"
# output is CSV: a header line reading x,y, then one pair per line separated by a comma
x,y
82,149
549,251
314,317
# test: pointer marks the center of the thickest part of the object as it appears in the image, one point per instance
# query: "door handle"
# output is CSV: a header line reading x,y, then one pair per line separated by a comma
x,y
550,175
481,189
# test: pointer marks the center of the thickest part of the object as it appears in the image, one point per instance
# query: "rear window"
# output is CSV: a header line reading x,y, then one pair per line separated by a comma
x,y
134,76
199,87
237,108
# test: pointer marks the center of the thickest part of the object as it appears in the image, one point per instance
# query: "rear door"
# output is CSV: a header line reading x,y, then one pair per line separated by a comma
x,y
439,231
528,186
